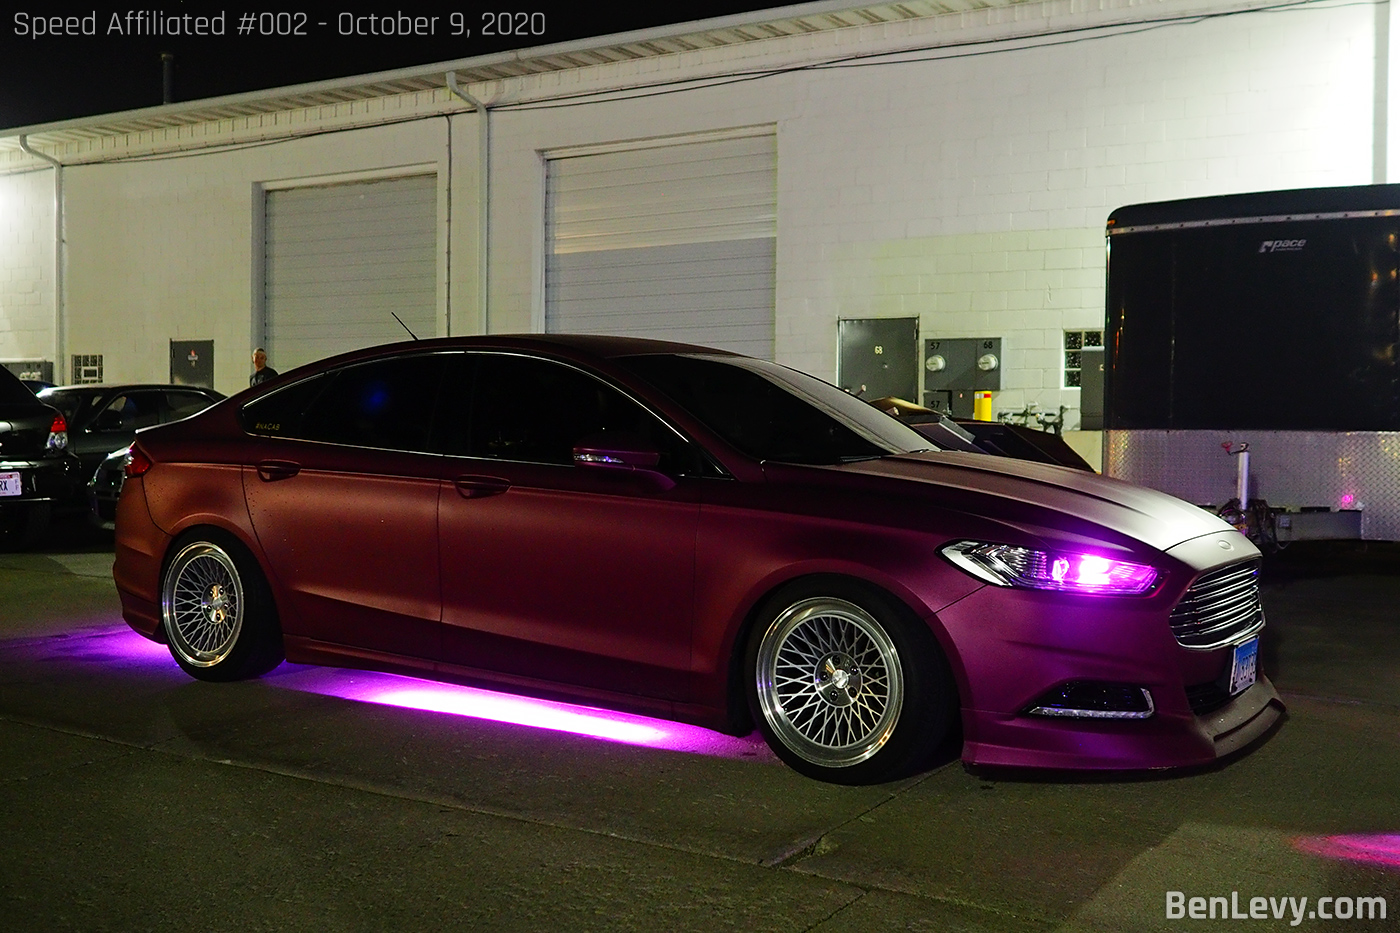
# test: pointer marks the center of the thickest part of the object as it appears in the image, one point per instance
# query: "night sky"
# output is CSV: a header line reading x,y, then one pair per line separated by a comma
x,y
47,73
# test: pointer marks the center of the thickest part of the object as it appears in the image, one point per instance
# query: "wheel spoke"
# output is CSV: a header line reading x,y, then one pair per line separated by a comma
x,y
202,604
830,687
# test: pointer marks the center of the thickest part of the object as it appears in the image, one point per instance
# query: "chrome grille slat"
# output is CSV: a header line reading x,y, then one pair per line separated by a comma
x,y
1220,607
1226,607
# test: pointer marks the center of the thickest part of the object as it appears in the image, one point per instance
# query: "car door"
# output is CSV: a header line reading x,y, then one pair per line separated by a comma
x,y
550,570
343,498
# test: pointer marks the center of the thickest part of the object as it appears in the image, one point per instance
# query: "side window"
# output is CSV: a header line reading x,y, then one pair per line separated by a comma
x,y
385,404
128,412
183,404
281,414
535,411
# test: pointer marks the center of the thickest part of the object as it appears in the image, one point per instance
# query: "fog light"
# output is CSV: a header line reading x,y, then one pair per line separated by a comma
x,y
1094,699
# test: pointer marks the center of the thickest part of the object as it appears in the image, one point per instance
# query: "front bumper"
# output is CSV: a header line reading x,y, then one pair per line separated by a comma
x,y
1013,646
1164,741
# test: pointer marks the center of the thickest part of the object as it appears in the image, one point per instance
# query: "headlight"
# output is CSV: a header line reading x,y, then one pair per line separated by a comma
x,y
1092,574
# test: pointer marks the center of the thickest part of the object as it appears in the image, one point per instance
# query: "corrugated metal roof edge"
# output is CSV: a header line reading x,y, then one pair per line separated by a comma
x,y
421,72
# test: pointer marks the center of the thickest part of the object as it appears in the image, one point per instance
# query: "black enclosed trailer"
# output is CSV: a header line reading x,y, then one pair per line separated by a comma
x,y
1268,323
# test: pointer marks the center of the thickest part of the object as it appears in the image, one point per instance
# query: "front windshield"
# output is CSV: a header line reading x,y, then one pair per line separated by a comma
x,y
770,412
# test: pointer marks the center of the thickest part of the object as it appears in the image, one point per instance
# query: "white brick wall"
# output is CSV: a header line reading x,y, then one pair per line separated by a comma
x,y
26,266
168,249
969,190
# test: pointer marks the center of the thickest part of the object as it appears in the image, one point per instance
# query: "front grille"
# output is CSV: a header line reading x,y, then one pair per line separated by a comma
x,y
1220,607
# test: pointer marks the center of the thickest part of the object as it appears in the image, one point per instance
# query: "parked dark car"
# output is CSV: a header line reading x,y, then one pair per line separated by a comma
x,y
698,535
36,468
105,418
105,488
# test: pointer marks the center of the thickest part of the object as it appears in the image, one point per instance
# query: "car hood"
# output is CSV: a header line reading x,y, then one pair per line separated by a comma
x,y
1033,494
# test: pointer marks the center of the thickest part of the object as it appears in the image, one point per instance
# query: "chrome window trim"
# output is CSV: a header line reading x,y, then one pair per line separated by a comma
x,y
626,393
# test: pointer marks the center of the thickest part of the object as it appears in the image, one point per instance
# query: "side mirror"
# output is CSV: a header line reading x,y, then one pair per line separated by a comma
x,y
622,453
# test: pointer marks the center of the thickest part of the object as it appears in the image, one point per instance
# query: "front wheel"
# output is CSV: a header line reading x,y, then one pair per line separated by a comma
x,y
846,685
218,613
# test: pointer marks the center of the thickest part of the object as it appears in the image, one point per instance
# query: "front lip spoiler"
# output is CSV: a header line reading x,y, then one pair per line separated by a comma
x,y
1245,718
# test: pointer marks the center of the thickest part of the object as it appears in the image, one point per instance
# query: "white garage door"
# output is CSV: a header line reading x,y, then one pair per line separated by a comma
x,y
342,260
673,242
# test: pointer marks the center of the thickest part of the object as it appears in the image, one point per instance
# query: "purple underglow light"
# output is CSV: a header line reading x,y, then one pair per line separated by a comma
x,y
1347,500
1378,849
475,703
114,642
496,707
118,647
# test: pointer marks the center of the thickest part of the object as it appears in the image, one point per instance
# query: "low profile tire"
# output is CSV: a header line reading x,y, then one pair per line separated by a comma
x,y
220,620
847,685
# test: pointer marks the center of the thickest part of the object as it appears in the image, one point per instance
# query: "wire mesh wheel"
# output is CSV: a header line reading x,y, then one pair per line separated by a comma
x,y
830,682
202,604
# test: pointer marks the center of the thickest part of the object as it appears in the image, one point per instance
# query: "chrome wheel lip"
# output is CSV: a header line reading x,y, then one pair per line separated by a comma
x,y
202,604
808,642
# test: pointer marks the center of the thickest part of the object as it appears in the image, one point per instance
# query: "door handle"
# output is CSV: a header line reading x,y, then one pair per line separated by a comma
x,y
271,470
479,487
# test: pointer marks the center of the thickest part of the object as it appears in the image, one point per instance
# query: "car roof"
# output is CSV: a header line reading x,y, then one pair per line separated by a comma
x,y
578,346
597,345
127,387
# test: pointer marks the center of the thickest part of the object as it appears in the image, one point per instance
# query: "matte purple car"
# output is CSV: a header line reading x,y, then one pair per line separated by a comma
x,y
696,535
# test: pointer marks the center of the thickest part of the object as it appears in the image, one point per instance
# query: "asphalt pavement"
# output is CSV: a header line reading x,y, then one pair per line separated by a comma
x,y
133,798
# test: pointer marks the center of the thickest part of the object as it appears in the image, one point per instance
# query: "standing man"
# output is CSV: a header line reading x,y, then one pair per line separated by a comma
x,y
261,371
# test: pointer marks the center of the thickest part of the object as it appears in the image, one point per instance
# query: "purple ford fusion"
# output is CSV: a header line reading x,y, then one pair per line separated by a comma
x,y
695,535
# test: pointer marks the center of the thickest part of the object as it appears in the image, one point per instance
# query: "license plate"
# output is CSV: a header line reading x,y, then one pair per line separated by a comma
x,y
1244,670
9,484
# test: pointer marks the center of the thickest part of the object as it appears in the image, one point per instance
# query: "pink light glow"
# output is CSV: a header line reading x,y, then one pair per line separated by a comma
x,y
1347,500
1092,573
1379,849
480,704
118,647
475,703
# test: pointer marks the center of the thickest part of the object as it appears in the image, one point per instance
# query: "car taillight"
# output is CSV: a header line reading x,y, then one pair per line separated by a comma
x,y
137,463
58,435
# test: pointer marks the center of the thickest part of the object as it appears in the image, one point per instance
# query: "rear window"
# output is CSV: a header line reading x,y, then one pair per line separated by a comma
x,y
74,403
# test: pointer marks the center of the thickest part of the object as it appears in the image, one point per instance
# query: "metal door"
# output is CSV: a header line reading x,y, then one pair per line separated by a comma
x,y
192,363
879,357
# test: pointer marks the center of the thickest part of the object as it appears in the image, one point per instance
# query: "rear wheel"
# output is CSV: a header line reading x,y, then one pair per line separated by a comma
x,y
220,621
846,685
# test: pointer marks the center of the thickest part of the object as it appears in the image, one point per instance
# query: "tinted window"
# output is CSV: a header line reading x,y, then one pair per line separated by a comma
x,y
770,412
385,404
281,413
74,403
536,411
129,411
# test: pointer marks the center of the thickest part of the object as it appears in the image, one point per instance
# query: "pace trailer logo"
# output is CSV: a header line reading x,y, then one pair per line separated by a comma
x,y
1282,246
